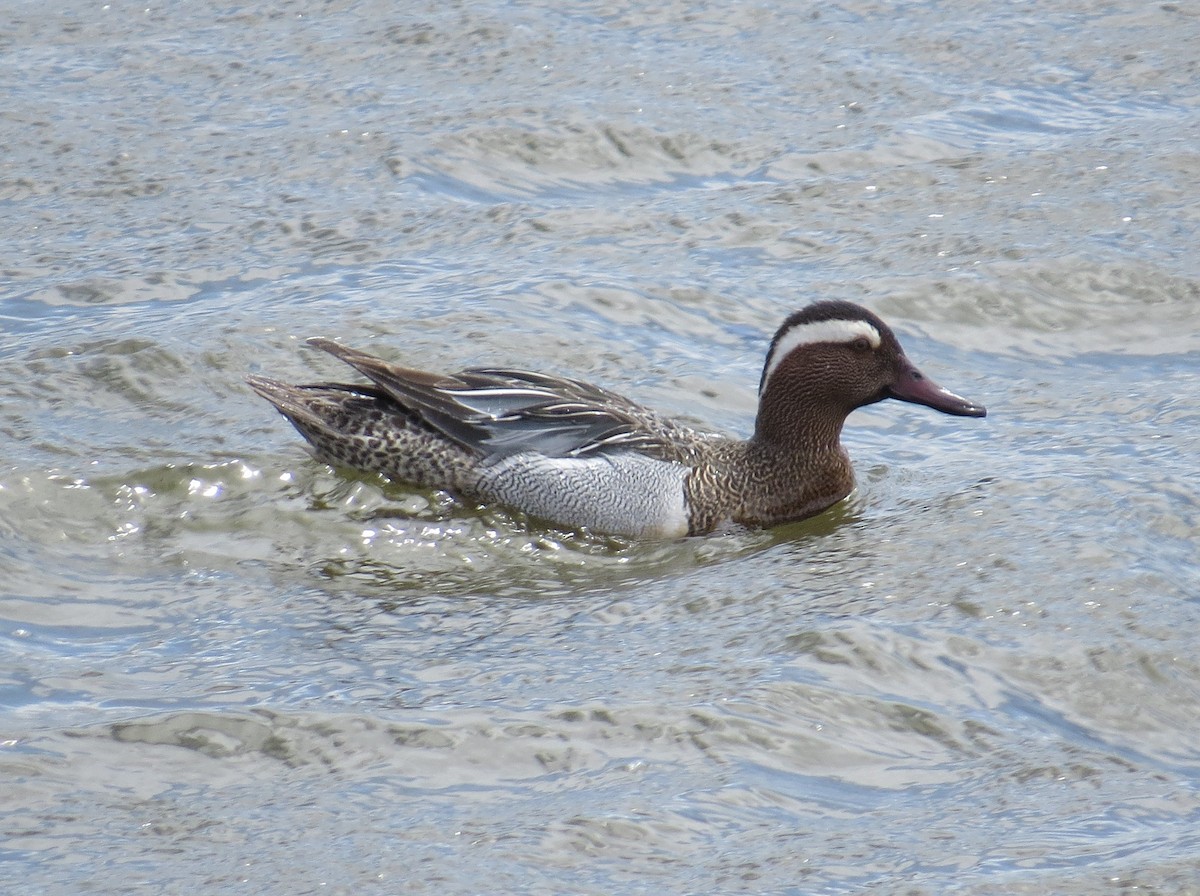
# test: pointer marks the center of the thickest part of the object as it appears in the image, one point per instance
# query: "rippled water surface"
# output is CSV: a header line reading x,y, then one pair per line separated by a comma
x,y
227,667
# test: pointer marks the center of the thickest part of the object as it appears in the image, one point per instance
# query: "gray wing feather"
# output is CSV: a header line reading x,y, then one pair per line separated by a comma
x,y
499,411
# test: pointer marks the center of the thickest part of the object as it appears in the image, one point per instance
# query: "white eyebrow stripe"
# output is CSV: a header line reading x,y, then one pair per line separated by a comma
x,y
818,331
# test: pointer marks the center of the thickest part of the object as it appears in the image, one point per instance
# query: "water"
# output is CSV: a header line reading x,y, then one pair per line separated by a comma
x,y
226,666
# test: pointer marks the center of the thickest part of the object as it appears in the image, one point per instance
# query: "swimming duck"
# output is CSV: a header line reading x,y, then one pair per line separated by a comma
x,y
579,456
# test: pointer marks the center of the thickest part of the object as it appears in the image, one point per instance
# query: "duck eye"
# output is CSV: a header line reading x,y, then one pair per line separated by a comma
x,y
861,344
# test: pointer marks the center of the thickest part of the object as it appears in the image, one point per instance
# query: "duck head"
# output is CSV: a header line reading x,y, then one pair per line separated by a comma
x,y
832,357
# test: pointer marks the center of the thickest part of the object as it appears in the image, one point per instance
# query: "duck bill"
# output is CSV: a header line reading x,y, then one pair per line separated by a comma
x,y
913,386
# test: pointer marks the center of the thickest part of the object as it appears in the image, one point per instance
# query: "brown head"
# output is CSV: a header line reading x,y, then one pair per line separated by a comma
x,y
830,358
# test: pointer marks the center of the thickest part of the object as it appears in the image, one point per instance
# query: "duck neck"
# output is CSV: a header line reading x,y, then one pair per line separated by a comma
x,y
810,439
799,463
798,421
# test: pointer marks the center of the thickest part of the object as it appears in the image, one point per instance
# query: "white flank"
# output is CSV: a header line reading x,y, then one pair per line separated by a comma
x,y
618,494
818,331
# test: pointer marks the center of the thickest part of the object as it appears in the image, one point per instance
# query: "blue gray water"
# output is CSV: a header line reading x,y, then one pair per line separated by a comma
x,y
227,667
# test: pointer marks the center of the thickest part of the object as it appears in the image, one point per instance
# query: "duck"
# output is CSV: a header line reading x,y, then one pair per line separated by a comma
x,y
579,456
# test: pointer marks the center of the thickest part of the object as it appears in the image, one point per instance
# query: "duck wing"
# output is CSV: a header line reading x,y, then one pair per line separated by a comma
x,y
498,411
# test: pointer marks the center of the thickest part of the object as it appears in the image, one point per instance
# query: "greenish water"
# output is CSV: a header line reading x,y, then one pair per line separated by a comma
x,y
226,666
